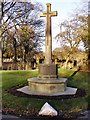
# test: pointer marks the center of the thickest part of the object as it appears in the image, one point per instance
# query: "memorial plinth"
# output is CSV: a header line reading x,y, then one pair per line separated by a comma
x,y
48,71
47,85
47,80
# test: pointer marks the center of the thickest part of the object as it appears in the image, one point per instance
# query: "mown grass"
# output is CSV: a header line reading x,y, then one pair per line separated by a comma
x,y
27,106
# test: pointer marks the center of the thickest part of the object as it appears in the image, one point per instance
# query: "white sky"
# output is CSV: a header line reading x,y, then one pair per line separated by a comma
x,y
64,8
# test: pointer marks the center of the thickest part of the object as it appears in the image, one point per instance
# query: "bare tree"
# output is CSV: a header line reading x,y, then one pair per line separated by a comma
x,y
20,14
74,31
2,12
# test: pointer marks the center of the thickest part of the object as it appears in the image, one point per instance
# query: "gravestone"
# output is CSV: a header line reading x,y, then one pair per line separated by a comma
x,y
33,63
47,83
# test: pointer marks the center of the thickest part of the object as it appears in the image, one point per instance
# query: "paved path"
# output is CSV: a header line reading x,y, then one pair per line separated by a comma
x,y
84,116
9,117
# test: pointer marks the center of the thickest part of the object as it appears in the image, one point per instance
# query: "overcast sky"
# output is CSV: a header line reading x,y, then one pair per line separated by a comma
x,y
64,8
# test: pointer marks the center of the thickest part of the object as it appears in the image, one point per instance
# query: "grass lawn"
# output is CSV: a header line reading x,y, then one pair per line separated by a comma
x,y
29,106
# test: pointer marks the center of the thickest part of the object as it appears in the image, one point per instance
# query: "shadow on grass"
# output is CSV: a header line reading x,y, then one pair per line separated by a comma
x,y
74,73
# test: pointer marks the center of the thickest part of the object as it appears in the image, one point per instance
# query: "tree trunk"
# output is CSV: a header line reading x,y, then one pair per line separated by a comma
x,y
15,53
89,35
89,60
1,14
66,63
0,54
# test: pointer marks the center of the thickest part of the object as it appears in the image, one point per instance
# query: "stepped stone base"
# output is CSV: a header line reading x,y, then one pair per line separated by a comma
x,y
47,83
47,86
68,91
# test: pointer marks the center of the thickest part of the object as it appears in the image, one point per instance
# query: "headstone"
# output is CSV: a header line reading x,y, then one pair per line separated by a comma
x,y
33,63
48,110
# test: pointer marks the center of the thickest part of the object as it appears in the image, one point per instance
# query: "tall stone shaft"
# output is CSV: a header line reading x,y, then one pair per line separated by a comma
x,y
48,40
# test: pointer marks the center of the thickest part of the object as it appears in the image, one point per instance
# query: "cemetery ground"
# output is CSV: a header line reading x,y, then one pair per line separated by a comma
x,y
24,106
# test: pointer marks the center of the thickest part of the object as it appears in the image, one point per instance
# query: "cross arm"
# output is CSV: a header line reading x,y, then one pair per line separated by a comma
x,y
42,14
54,13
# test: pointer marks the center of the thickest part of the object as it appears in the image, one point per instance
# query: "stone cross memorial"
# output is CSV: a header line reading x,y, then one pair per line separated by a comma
x,y
48,70
47,82
48,41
